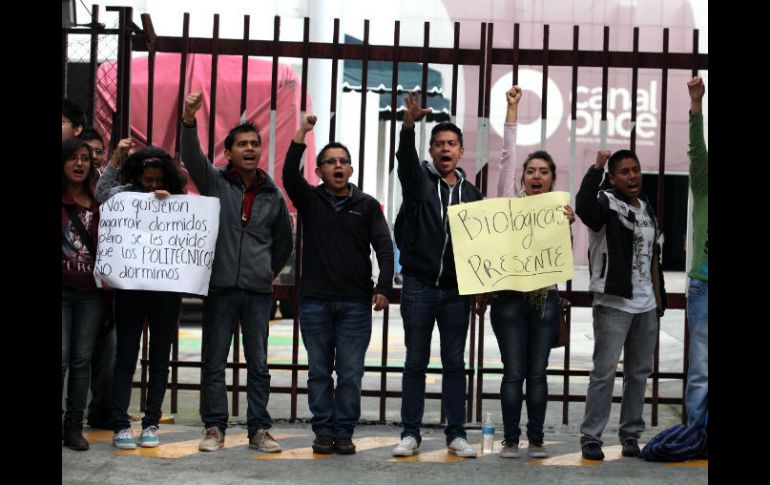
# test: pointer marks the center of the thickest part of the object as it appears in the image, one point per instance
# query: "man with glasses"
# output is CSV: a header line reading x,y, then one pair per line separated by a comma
x,y
340,223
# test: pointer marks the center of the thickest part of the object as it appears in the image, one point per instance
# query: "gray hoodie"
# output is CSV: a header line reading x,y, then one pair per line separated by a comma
x,y
247,257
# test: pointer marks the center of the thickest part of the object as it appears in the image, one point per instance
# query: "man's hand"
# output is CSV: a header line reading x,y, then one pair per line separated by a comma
x,y
192,103
697,89
305,125
380,302
161,194
601,159
413,111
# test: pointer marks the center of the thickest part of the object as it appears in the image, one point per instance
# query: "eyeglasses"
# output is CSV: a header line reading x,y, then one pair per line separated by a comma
x,y
152,162
335,160
82,158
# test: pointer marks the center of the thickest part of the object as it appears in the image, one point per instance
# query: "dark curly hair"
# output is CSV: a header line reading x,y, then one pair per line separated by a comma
x,y
174,180
68,149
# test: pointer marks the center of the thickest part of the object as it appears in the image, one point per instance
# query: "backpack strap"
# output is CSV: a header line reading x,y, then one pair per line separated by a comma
x,y
80,228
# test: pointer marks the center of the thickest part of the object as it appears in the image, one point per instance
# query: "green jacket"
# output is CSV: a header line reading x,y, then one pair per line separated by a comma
x,y
699,184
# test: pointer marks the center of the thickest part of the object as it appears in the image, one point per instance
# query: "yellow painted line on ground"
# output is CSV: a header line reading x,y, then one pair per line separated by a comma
x,y
436,456
104,435
180,449
611,453
306,453
691,463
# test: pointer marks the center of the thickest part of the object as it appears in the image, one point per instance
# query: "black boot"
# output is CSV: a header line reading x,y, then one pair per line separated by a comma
x,y
72,436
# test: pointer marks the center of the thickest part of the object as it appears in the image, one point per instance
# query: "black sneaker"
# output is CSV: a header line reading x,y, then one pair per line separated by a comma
x,y
344,446
323,444
593,451
630,448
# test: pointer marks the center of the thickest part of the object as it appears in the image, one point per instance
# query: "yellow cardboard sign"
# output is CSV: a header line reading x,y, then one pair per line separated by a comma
x,y
511,243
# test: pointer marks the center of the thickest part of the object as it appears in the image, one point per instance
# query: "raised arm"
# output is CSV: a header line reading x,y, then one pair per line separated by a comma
x,y
297,188
507,183
107,186
199,167
409,173
698,153
587,205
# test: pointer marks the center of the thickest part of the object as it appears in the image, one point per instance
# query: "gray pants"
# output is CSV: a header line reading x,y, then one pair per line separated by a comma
x,y
616,330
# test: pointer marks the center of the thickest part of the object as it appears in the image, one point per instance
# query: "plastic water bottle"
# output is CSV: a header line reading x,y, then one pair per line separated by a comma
x,y
488,435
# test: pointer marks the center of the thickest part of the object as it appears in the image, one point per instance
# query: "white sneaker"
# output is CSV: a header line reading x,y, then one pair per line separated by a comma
x,y
510,449
149,437
460,447
537,450
407,447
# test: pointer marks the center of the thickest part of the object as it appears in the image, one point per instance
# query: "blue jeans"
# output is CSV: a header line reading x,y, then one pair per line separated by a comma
x,y
421,306
82,314
336,334
697,393
525,338
224,309
635,334
161,311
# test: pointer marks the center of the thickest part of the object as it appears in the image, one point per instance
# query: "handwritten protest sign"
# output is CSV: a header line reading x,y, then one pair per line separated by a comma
x,y
146,243
511,243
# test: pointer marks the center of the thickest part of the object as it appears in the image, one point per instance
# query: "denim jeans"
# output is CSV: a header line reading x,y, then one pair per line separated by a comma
x,y
82,313
525,338
697,393
336,335
635,334
161,311
224,309
421,306
102,372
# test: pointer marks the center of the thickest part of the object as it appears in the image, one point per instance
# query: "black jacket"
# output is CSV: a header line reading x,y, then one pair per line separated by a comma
x,y
336,262
611,237
421,227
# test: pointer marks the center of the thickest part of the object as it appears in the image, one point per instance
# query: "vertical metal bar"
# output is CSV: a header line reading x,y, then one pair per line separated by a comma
x,y
482,124
605,83
245,65
175,367
455,58
544,97
298,242
64,57
364,89
516,53
424,83
472,367
213,98
391,184
123,105
572,162
274,95
150,37
694,52
661,197
333,102
182,78
94,60
479,369
634,87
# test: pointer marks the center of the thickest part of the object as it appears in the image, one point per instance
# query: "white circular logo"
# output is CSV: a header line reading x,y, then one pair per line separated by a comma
x,y
531,82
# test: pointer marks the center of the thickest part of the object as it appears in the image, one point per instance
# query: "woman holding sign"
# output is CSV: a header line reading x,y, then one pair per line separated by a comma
x,y
82,310
525,323
148,170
